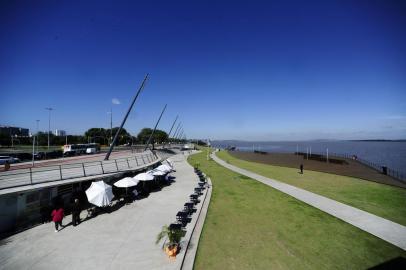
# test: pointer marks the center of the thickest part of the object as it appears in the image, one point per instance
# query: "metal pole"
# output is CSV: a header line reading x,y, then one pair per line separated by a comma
x,y
179,131
49,122
37,133
170,131
169,134
180,135
157,122
125,118
176,131
31,176
33,149
111,124
327,155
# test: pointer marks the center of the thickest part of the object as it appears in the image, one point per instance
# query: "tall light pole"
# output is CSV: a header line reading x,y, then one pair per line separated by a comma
x,y
111,124
49,122
37,133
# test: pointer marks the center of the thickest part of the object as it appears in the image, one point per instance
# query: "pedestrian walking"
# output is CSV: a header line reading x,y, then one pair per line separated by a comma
x,y
6,166
301,168
76,212
57,216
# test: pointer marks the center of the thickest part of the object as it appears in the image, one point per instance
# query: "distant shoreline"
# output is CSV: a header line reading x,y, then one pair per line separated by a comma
x,y
378,140
317,140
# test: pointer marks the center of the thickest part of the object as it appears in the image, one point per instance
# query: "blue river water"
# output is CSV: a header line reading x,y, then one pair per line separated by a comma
x,y
385,153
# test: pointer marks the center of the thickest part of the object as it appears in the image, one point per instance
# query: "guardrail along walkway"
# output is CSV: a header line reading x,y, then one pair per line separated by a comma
x,y
30,176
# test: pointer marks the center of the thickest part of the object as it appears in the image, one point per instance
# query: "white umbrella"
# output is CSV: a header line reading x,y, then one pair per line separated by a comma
x,y
164,168
126,182
144,177
169,163
157,173
99,193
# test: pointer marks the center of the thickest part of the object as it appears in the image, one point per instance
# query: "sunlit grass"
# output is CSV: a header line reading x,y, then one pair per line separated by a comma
x,y
379,199
252,226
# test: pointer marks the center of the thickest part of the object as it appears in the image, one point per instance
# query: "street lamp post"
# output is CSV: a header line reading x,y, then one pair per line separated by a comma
x,y
49,123
111,125
37,134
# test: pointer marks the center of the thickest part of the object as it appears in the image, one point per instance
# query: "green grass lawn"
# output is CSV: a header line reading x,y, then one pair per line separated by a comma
x,y
252,226
379,199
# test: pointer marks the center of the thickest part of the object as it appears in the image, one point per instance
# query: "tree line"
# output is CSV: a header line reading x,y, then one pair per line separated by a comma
x,y
101,136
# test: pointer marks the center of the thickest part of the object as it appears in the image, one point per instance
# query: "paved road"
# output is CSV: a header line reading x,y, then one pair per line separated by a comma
x,y
74,159
123,239
385,229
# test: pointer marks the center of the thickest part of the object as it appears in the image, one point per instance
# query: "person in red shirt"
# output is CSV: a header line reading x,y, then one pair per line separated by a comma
x,y
57,216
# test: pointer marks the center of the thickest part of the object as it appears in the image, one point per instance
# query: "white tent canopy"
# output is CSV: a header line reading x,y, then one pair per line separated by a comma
x,y
169,163
144,177
164,168
99,194
156,172
126,182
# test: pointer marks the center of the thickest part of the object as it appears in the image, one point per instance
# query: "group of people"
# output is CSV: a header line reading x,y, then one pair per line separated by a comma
x,y
58,215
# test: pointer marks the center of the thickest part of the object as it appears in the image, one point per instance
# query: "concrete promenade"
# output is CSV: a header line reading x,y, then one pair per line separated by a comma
x,y
123,239
385,229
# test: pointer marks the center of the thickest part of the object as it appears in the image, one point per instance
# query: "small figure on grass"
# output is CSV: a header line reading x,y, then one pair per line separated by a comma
x,y
301,168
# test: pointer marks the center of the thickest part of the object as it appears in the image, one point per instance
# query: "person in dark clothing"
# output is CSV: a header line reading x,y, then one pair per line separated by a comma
x,y
76,212
301,168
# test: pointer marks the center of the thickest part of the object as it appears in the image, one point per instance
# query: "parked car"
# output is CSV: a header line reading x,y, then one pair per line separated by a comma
x,y
91,150
10,160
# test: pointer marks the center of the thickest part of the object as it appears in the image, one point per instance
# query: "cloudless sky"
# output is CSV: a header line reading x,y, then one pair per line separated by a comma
x,y
254,70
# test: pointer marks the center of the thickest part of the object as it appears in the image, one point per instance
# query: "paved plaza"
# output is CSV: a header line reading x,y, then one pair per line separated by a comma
x,y
123,239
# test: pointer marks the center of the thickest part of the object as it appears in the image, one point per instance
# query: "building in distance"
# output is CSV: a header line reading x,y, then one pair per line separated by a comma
x,y
59,132
14,131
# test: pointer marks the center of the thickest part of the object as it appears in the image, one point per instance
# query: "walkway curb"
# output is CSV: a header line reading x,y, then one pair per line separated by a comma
x,y
191,249
384,229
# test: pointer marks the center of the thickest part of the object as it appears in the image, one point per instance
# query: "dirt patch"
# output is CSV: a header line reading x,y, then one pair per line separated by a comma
x,y
352,168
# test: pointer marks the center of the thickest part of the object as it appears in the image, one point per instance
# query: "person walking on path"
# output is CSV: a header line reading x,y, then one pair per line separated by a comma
x,y
6,166
301,168
76,212
57,216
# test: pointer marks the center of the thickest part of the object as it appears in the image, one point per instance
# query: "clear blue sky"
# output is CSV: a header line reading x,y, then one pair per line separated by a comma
x,y
268,70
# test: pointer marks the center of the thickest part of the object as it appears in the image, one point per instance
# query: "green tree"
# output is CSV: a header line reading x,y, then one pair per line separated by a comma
x,y
123,138
97,135
160,136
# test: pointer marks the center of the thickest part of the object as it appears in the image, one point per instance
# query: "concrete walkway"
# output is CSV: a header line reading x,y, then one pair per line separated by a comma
x,y
387,230
123,239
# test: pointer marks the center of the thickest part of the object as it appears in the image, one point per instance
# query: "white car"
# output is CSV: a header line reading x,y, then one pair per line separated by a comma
x,y
10,160
91,150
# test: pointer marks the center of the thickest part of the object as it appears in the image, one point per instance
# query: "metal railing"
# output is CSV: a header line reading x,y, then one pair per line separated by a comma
x,y
398,175
30,176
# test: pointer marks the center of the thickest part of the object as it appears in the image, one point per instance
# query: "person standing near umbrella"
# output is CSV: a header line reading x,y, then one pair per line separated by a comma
x,y
57,216
76,212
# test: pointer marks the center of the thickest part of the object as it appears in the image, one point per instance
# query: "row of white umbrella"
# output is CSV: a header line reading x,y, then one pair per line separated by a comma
x,y
101,194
